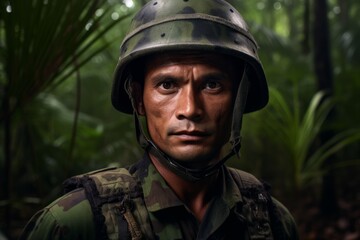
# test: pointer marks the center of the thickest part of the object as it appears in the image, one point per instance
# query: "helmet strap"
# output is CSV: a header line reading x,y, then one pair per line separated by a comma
x,y
238,112
176,167
140,135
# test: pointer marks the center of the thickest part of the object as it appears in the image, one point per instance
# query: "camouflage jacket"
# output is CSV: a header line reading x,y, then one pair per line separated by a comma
x,y
71,216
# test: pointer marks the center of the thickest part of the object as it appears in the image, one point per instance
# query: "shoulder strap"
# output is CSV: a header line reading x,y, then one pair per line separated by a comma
x,y
117,203
259,210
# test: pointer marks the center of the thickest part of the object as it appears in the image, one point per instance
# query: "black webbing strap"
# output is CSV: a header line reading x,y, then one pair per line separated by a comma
x,y
277,226
95,203
245,182
255,197
123,226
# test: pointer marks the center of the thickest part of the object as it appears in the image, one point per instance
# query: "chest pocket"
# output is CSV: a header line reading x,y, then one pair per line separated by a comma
x,y
258,210
116,200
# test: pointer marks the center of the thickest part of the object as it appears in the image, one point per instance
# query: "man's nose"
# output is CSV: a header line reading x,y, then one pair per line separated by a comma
x,y
189,105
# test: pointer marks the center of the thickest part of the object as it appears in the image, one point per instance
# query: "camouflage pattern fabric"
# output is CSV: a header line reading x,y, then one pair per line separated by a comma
x,y
70,217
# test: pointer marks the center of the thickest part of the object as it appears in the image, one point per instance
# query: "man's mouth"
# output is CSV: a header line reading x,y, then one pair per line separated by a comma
x,y
194,135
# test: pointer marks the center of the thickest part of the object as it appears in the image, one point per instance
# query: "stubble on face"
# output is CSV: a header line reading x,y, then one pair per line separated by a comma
x,y
187,102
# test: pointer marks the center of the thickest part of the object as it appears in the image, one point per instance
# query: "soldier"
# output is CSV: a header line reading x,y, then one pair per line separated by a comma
x,y
190,68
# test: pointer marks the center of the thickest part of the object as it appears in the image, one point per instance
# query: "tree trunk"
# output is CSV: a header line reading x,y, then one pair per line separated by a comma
x,y
324,76
344,12
306,31
6,176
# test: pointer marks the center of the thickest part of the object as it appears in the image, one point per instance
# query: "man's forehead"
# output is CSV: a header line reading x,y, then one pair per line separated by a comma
x,y
191,57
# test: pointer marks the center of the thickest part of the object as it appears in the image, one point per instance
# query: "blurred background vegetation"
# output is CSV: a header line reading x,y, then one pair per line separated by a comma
x,y
56,64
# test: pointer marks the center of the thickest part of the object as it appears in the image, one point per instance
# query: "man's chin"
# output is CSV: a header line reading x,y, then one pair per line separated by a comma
x,y
195,161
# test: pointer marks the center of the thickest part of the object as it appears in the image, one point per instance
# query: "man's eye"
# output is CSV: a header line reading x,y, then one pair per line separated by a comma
x,y
167,85
212,85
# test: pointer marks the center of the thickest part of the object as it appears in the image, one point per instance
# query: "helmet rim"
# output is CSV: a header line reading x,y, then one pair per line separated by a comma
x,y
237,44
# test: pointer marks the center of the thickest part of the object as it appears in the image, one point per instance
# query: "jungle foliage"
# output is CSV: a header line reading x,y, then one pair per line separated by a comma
x,y
56,64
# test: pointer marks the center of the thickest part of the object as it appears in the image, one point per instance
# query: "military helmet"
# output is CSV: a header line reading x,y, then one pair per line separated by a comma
x,y
196,25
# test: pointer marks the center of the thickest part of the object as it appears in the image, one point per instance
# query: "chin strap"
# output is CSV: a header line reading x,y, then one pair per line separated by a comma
x,y
191,174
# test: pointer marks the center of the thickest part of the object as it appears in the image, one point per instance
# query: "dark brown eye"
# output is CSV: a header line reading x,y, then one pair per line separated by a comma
x,y
212,85
167,85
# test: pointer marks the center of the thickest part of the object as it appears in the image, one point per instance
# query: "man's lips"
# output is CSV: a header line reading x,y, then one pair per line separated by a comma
x,y
190,135
190,132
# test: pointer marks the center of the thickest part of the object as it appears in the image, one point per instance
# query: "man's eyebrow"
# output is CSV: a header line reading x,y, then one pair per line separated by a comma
x,y
215,75
160,77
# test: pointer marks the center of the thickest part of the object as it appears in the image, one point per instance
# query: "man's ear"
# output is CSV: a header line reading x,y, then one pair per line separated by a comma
x,y
137,92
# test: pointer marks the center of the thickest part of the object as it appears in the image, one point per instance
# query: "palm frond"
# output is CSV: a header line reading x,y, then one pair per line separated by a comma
x,y
296,133
43,39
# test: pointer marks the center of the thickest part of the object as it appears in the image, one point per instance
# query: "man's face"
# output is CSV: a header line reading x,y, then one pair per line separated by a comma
x,y
187,102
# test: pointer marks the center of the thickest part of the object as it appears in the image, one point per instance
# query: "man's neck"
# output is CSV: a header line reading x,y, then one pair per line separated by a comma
x,y
195,195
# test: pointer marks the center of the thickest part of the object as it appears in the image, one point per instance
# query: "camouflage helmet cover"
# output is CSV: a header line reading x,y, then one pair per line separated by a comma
x,y
211,25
